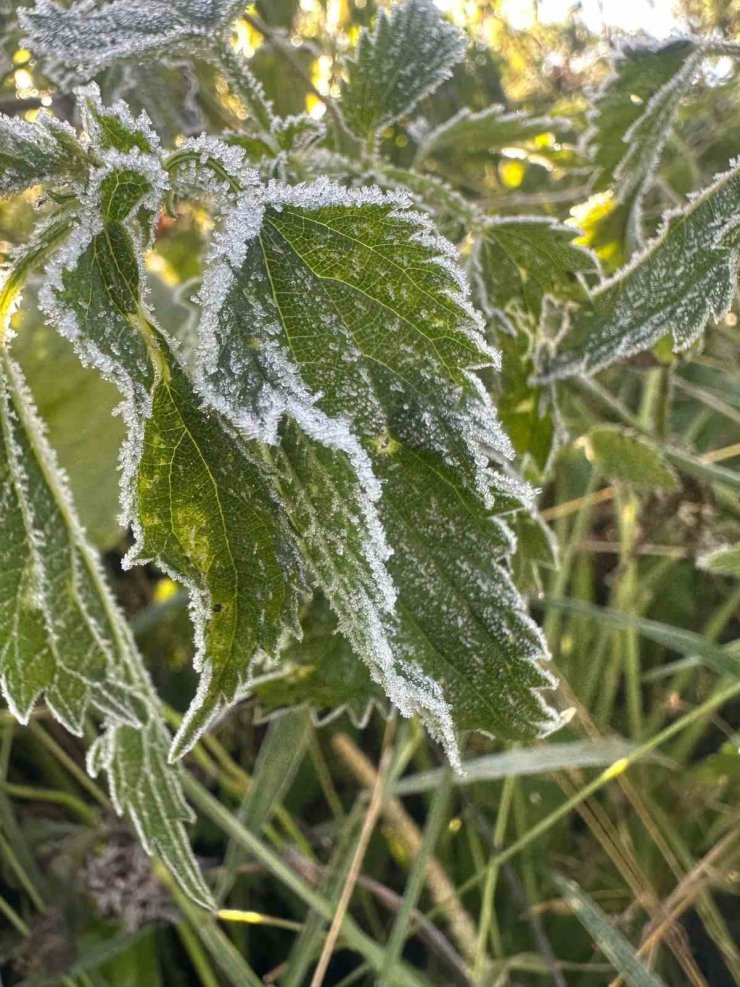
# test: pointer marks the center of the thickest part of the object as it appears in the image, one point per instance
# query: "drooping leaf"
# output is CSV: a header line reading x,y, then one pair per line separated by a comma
x,y
519,260
91,38
30,153
340,309
62,636
489,130
202,510
723,561
406,56
459,617
685,276
622,455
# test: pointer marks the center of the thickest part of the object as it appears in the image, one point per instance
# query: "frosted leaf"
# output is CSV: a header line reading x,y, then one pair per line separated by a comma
x,y
408,54
490,129
522,259
91,293
62,636
458,616
91,37
684,277
30,153
46,238
346,302
336,325
634,110
201,508
633,118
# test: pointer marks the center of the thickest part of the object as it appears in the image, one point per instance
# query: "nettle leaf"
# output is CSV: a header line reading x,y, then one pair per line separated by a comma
x,y
92,289
408,54
488,130
30,153
344,312
62,636
634,111
201,508
630,458
684,277
91,38
458,616
51,642
520,260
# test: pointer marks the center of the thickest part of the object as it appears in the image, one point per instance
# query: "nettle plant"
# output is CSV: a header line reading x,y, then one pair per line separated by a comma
x,y
319,451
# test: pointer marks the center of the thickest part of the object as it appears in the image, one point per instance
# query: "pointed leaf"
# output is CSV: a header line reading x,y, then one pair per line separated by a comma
x,y
685,276
408,54
520,260
202,510
61,634
30,153
634,111
459,617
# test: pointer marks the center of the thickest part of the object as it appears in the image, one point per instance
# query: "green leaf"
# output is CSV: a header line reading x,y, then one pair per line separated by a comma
x,y
89,39
527,411
536,548
520,260
46,150
459,618
202,509
345,313
51,642
408,54
685,276
634,111
723,561
62,635
606,936
489,130
625,456
321,672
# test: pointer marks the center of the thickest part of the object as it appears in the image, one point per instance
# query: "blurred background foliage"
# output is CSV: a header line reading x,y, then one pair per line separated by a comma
x,y
655,850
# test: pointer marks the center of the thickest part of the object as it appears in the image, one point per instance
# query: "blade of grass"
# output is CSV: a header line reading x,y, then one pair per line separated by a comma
x,y
724,660
371,817
279,758
399,931
609,940
541,759
352,935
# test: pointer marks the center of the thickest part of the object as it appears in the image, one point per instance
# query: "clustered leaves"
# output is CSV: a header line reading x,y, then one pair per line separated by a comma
x,y
329,463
